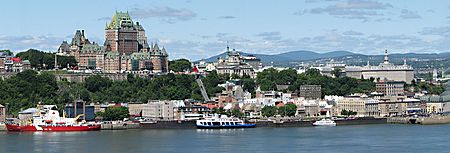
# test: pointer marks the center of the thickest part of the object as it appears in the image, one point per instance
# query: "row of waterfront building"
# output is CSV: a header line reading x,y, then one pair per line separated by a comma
x,y
382,103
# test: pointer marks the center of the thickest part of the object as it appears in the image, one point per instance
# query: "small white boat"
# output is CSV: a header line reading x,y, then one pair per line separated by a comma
x,y
324,122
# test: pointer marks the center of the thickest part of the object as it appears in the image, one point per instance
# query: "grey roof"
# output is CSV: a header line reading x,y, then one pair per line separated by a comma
x,y
64,46
163,52
76,40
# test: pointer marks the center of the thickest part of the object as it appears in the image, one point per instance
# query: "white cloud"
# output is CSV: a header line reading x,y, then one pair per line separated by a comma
x,y
21,43
351,9
352,33
408,14
168,14
227,17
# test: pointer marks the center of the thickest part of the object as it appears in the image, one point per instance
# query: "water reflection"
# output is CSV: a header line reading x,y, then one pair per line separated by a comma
x,y
220,131
367,138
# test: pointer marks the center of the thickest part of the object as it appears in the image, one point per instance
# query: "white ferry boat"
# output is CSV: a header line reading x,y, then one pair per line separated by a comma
x,y
217,122
324,122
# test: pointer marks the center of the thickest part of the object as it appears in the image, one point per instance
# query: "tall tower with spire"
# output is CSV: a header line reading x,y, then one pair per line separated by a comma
x,y
386,58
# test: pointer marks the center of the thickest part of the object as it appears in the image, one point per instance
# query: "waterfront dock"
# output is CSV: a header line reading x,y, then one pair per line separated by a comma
x,y
437,119
119,126
263,123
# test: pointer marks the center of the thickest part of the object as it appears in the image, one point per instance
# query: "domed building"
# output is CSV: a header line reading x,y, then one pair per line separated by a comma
x,y
385,71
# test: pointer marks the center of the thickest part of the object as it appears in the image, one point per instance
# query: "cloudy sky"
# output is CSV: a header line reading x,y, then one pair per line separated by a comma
x,y
198,29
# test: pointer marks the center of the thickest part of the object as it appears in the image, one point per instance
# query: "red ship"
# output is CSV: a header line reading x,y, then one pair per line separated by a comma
x,y
48,120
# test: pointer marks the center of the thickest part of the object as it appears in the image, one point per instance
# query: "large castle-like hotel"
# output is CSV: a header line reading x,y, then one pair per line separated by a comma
x,y
125,49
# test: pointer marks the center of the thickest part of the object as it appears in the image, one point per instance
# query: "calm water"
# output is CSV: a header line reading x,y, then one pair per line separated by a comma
x,y
363,138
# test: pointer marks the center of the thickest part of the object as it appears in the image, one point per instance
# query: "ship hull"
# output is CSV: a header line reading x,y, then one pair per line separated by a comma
x,y
226,126
31,128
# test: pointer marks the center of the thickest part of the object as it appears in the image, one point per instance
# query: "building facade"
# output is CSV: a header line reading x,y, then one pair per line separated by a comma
x,y
391,88
311,91
354,104
236,64
158,110
2,113
125,49
383,71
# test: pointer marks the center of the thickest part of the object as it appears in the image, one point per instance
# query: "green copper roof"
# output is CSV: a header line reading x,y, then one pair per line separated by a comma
x,y
120,19
92,48
111,55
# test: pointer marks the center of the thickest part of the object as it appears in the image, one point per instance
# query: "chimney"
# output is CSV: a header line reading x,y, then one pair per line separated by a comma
x,y
82,32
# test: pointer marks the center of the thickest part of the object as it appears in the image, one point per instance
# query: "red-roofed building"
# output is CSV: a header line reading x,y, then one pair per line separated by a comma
x,y
280,104
15,64
16,59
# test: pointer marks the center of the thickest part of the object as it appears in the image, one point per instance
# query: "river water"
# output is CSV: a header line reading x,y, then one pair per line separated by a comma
x,y
357,138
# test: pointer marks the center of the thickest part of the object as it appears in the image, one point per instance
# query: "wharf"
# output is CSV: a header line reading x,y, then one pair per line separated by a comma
x,y
119,126
437,119
262,123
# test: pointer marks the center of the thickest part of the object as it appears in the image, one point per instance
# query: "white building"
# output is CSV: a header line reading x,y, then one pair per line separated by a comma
x,y
158,110
383,71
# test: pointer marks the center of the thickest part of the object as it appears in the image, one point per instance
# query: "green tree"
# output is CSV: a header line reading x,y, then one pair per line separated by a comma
x,y
269,111
248,84
42,60
282,111
96,83
337,72
236,112
9,52
266,79
291,109
344,112
114,113
180,65
211,81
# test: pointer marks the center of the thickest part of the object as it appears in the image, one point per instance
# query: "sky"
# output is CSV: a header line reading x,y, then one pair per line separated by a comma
x,y
196,29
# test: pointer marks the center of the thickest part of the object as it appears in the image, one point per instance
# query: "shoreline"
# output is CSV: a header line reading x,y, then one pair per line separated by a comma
x,y
262,124
278,124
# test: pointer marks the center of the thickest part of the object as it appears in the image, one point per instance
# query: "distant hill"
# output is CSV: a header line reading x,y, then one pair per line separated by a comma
x,y
287,57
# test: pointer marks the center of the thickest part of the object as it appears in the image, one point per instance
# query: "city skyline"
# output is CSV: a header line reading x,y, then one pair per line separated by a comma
x,y
200,29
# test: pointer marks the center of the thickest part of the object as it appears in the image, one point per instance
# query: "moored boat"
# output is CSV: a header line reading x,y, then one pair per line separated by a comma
x,y
222,122
324,122
48,120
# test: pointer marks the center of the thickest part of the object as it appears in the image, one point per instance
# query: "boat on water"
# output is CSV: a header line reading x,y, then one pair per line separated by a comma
x,y
48,120
324,122
222,122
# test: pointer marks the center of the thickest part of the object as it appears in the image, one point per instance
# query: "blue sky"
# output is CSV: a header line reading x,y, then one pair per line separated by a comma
x,y
201,28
